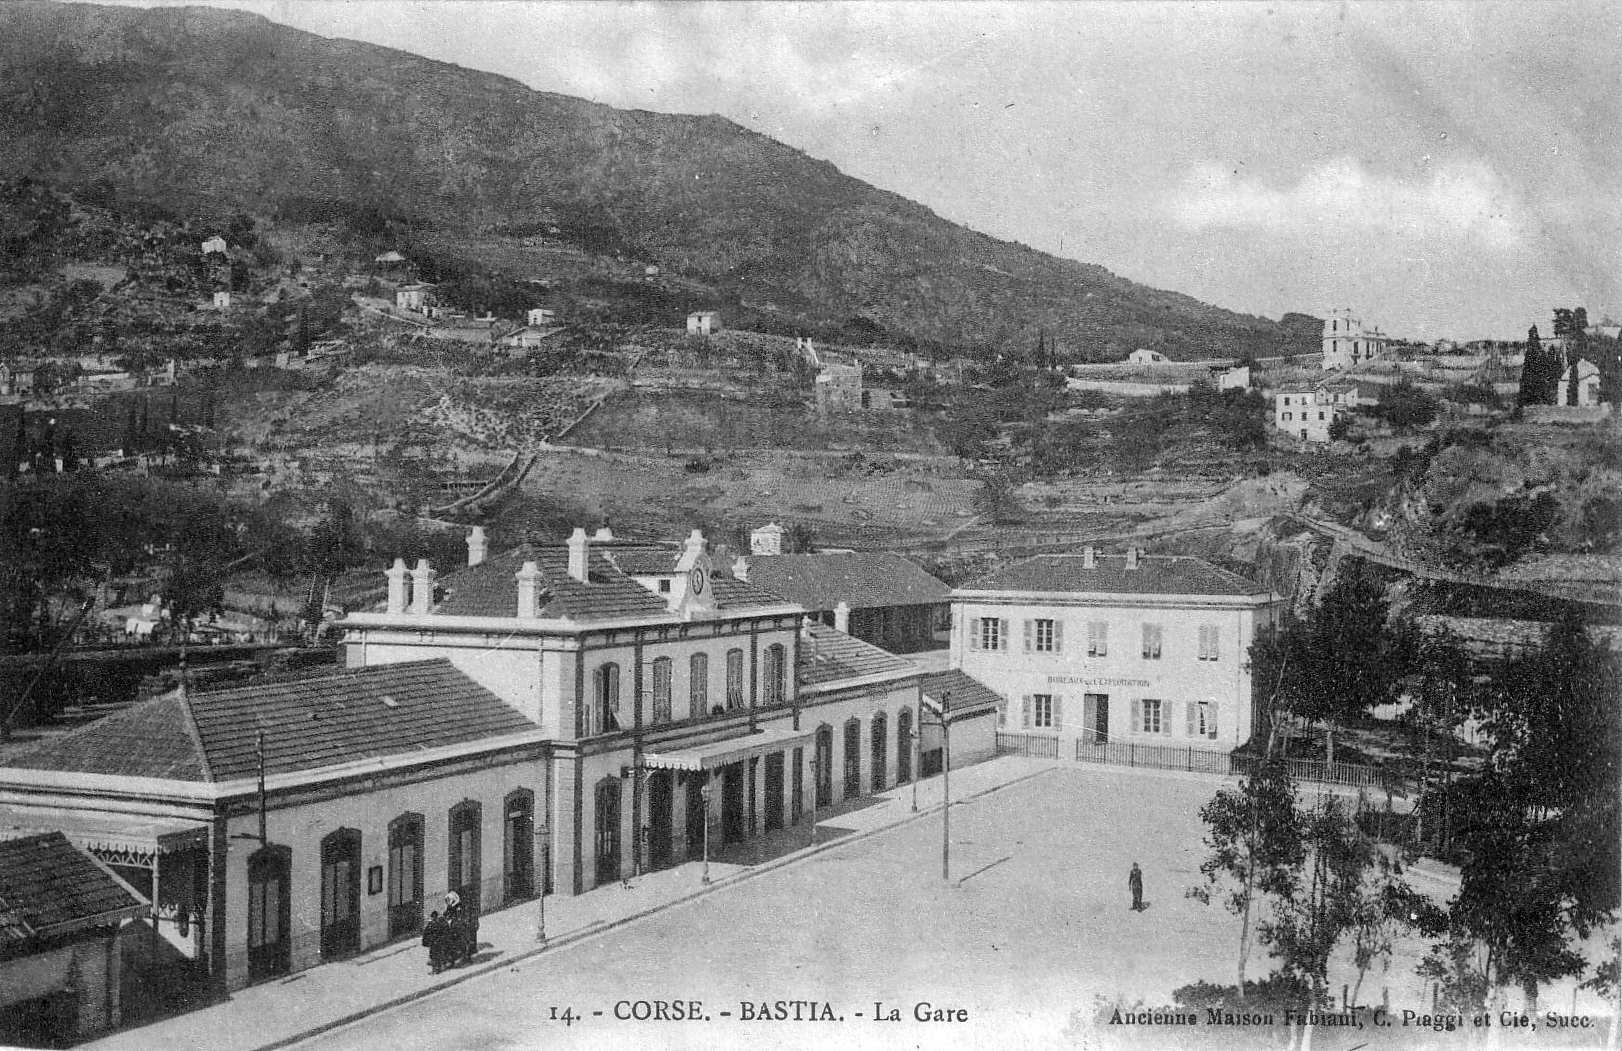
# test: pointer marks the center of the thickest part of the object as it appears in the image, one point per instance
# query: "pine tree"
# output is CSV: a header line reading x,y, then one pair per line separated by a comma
x,y
1532,370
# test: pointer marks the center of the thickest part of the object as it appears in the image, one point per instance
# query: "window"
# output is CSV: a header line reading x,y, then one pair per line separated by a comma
x,y
1151,722
1202,719
1041,711
1098,638
1320,414
987,633
605,695
1044,636
1287,417
1209,648
1286,401
664,585
698,684
661,689
772,671
1151,642
878,732
734,679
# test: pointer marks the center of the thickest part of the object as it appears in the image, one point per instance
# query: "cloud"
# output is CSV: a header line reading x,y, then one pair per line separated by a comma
x,y
1457,202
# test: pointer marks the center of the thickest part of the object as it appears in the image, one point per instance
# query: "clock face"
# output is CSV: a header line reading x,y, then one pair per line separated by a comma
x,y
696,579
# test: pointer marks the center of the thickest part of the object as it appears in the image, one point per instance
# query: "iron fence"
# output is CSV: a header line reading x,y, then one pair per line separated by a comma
x,y
1196,760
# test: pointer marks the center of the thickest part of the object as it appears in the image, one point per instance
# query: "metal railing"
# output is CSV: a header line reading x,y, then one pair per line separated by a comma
x,y
1192,759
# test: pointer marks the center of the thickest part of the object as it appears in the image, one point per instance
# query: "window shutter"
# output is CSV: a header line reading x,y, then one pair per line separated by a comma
x,y
974,633
1002,715
1165,718
1188,707
1058,636
1002,635
1211,720
1103,638
1216,649
1030,630
1025,711
1137,715
1058,712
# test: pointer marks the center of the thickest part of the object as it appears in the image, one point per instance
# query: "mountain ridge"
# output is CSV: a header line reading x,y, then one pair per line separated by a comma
x,y
224,110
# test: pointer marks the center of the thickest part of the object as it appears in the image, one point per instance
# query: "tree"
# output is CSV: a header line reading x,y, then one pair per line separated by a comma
x,y
1254,844
1539,826
799,539
996,497
1404,405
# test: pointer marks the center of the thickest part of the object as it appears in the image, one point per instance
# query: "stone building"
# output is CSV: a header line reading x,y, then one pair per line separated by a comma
x,y
1347,342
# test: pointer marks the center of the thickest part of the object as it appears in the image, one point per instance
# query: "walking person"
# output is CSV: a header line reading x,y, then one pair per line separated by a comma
x,y
1134,880
434,937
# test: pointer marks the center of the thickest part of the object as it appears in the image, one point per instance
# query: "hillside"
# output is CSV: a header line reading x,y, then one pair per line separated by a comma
x,y
213,112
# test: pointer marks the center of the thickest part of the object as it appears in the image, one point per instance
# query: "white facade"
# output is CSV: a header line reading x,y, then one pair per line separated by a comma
x,y
1115,668
1347,342
1236,378
1144,356
703,322
1307,414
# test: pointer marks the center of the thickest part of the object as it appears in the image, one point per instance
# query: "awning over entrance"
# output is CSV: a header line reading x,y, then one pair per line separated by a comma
x,y
136,841
720,753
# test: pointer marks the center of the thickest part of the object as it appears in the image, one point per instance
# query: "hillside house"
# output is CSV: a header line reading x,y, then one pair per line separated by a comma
x,y
389,258
414,297
541,317
1094,649
878,597
16,379
1306,412
1580,384
1144,356
1347,342
767,540
62,914
222,300
527,338
215,246
1235,378
703,323
839,387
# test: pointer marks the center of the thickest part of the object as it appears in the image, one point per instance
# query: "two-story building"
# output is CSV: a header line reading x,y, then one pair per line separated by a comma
x,y
1307,412
1095,648
1347,342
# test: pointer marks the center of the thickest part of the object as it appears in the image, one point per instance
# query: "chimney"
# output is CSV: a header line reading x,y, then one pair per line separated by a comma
x,y
477,546
842,617
579,555
528,578
1089,557
1132,558
422,587
398,588
805,626
740,569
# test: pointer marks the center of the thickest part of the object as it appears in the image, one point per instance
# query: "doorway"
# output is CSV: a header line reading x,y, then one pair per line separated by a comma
x,y
608,830
774,791
518,847
824,763
1095,719
661,816
732,824
405,875
269,915
340,894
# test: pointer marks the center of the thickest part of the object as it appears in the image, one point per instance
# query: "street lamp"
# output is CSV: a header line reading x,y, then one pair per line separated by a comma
x,y
939,712
541,832
704,793
816,792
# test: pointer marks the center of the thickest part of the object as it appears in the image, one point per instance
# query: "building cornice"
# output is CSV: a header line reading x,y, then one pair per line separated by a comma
x,y
1096,599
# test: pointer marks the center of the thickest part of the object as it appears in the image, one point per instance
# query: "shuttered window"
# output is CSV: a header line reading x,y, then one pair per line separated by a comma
x,y
1148,716
988,633
1044,635
1098,638
661,689
698,685
1210,647
734,679
1151,642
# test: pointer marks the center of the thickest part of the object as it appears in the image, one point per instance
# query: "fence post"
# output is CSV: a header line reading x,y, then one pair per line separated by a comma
x,y
1132,756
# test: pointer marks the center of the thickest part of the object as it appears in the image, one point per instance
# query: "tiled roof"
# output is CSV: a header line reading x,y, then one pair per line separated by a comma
x,y
309,722
862,579
46,882
1154,575
830,656
488,589
959,691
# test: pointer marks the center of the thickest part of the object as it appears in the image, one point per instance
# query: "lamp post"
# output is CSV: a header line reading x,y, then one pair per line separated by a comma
x,y
543,857
704,793
915,742
816,792
938,710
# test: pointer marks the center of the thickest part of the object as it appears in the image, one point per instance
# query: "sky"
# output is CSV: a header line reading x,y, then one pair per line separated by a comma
x,y
1447,170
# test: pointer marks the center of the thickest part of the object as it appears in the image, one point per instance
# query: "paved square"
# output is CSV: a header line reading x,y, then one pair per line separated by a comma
x,y
1038,928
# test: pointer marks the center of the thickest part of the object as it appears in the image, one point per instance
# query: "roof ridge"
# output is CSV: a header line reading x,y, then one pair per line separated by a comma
x,y
183,699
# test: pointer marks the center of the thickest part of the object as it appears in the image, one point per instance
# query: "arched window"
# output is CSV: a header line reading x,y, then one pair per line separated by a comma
x,y
269,915
903,746
734,679
661,690
462,871
405,874
879,734
698,685
853,758
773,675
605,699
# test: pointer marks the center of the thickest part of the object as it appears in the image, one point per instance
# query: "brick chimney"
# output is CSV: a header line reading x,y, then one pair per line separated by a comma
x,y
1132,557
1089,557
529,590
422,587
740,568
579,555
477,546
399,590
842,617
